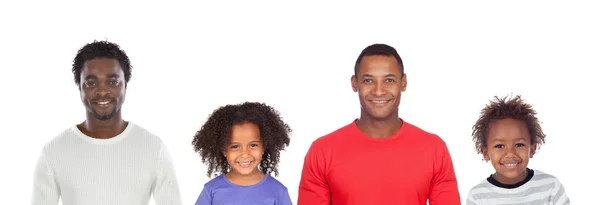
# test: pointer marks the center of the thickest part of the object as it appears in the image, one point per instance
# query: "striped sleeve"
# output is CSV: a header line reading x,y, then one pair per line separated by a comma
x,y
470,199
559,196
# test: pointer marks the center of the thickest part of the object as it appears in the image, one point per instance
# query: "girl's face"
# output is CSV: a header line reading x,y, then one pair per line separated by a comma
x,y
245,150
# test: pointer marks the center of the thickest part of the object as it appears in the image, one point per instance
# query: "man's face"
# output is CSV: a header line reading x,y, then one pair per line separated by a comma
x,y
379,83
102,87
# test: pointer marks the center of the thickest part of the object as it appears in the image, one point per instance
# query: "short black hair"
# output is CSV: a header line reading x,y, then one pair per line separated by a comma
x,y
100,49
503,108
379,49
210,141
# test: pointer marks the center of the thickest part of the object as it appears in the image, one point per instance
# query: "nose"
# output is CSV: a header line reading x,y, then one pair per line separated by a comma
x,y
379,89
510,152
245,151
102,90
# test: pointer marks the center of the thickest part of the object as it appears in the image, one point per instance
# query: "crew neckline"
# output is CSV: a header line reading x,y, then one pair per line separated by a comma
x,y
111,140
364,136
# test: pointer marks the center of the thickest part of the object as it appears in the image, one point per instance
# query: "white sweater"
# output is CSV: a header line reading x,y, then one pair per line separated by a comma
x,y
123,170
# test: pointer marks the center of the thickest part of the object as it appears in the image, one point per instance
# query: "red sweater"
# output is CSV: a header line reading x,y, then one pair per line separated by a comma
x,y
347,167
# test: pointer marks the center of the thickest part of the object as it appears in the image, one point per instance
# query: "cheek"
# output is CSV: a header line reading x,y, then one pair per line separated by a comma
x,y
258,153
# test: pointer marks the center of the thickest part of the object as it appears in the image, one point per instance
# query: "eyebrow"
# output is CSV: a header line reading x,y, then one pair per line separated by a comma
x,y
250,142
370,76
113,75
89,77
518,139
94,77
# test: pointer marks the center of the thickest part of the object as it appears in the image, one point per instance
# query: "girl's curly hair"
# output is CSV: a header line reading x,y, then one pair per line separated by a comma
x,y
211,140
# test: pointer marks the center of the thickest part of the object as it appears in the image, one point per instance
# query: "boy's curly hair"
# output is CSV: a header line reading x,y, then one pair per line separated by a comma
x,y
502,108
215,135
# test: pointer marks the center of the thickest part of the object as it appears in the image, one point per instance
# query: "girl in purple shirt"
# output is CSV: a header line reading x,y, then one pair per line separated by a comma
x,y
240,144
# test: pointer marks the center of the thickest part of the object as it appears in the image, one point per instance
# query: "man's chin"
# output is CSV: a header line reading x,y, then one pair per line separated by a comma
x,y
103,117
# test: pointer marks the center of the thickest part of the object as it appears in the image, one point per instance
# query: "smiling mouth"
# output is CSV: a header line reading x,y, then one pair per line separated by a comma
x,y
104,102
245,164
510,165
379,101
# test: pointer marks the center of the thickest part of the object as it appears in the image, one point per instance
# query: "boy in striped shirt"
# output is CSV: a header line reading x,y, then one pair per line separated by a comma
x,y
507,134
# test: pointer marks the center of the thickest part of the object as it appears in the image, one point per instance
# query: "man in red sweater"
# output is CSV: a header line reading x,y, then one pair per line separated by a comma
x,y
378,158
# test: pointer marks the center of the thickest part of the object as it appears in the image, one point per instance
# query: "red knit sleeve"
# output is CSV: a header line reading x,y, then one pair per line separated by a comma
x,y
314,189
443,188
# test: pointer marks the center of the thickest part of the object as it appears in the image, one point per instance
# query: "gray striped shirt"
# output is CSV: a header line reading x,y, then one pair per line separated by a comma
x,y
541,189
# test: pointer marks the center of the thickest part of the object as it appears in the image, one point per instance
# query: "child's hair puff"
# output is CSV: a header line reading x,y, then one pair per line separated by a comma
x,y
211,140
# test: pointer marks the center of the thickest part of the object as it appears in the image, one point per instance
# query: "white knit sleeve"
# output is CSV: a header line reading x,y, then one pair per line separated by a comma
x,y
45,189
166,188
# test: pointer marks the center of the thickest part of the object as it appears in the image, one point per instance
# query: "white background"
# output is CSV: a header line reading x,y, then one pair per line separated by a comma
x,y
189,59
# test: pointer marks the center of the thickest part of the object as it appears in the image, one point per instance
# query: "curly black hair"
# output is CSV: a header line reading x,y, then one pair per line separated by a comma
x,y
210,141
502,108
100,49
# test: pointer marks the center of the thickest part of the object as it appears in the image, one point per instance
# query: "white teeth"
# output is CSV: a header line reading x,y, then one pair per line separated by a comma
x,y
379,101
103,103
511,165
244,163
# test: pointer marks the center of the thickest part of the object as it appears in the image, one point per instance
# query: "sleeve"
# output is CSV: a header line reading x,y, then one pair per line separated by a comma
x,y
470,199
165,189
559,196
284,197
314,189
443,188
45,188
205,197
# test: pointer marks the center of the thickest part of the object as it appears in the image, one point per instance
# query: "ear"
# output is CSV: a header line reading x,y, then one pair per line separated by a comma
x,y
354,83
404,83
484,152
532,150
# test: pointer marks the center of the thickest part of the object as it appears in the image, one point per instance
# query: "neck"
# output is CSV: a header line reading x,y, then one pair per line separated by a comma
x,y
510,181
103,129
379,128
245,180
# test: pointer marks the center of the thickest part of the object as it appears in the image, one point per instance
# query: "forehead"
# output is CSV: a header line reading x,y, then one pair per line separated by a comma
x,y
102,67
246,132
508,129
379,64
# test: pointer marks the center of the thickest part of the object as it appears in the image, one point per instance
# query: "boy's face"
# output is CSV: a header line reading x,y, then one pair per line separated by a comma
x,y
509,149
245,151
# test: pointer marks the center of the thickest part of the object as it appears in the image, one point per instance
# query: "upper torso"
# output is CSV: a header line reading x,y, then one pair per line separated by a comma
x,y
118,170
359,169
220,191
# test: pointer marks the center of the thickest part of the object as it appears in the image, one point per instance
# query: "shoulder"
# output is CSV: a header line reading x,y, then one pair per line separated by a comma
x,y
334,136
139,131
215,183
142,136
60,141
480,190
421,134
274,183
541,177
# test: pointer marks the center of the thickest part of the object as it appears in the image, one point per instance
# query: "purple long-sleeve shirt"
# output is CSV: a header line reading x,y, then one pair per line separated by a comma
x,y
219,191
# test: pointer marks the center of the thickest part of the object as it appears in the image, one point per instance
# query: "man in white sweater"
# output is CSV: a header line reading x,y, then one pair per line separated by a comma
x,y
105,160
